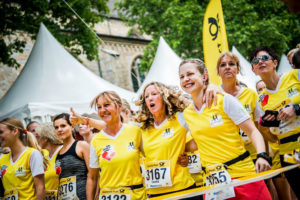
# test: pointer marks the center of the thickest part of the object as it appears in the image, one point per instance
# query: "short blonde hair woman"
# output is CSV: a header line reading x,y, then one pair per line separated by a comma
x,y
51,145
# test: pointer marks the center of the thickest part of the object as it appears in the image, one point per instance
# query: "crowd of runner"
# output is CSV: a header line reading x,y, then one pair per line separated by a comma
x,y
173,143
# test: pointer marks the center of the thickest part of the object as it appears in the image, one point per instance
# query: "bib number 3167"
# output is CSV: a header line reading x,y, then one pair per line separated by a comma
x,y
158,174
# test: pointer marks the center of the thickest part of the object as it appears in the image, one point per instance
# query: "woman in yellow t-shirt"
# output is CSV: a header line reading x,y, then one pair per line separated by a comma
x,y
164,133
115,151
50,143
216,132
22,170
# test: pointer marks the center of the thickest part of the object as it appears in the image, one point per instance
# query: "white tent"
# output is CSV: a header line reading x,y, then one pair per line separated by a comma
x,y
246,75
284,65
51,82
164,68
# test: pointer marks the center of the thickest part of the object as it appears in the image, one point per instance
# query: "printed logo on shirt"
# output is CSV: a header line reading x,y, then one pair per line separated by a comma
x,y
3,170
131,146
292,92
263,99
248,108
216,120
169,132
108,152
20,171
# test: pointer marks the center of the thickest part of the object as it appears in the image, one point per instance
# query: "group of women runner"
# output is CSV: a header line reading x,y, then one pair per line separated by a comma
x,y
223,134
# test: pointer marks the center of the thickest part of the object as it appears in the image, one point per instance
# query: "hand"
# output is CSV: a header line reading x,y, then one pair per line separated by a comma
x,y
183,160
211,93
262,165
76,118
286,113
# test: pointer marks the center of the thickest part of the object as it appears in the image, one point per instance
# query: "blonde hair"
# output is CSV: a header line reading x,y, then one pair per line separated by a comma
x,y
292,51
172,99
27,138
200,66
109,95
234,57
46,130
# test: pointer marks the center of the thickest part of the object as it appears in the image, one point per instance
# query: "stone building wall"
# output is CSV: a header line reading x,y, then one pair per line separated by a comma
x,y
117,52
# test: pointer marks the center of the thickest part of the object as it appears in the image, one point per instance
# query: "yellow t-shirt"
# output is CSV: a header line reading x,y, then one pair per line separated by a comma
x,y
51,178
118,159
248,98
166,142
17,176
286,93
217,135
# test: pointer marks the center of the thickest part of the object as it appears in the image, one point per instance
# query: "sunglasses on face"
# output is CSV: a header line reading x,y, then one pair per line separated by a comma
x,y
262,58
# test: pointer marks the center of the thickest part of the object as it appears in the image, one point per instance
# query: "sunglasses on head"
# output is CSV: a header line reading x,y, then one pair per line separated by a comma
x,y
262,58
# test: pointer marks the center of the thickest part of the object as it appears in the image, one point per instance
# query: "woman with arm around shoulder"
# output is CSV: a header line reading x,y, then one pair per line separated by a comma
x,y
216,131
115,150
50,144
22,170
72,160
164,136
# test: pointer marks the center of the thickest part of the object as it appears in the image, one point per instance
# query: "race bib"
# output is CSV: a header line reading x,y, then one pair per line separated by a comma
x,y
11,195
217,174
158,174
67,188
51,195
115,194
194,163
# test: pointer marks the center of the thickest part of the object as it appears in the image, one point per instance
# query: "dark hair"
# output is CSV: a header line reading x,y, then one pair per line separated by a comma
x,y
65,116
270,51
32,122
296,59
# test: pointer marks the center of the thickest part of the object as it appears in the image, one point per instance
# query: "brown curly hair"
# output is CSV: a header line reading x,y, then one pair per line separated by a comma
x,y
173,101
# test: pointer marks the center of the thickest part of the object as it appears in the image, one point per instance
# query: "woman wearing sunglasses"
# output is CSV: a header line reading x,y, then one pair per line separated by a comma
x,y
281,98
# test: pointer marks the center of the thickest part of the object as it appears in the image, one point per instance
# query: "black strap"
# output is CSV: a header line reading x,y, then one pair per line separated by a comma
x,y
292,138
133,187
237,159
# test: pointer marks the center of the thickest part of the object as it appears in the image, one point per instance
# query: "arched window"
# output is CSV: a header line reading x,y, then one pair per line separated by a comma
x,y
136,76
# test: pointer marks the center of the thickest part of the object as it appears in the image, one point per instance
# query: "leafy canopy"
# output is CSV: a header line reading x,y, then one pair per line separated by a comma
x,y
18,17
249,24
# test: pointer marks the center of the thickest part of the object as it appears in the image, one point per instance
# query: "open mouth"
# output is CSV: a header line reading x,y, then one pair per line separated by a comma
x,y
188,85
152,105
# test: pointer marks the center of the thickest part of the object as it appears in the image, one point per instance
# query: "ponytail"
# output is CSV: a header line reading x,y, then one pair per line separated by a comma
x,y
27,138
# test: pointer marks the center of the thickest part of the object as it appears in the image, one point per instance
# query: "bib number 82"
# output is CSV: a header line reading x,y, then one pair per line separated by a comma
x,y
156,174
114,197
216,178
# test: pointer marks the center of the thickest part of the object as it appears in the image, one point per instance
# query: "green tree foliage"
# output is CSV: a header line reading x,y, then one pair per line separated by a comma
x,y
249,24
19,17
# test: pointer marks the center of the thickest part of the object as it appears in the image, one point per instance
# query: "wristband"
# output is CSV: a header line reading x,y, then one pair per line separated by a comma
x,y
296,109
265,156
87,121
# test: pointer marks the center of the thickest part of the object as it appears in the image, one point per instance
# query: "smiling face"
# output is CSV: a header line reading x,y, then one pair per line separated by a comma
x,y
264,67
7,136
63,130
154,100
108,111
228,68
191,80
